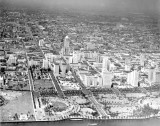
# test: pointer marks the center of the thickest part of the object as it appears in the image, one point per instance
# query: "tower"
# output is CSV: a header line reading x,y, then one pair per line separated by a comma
x,y
106,64
66,45
106,74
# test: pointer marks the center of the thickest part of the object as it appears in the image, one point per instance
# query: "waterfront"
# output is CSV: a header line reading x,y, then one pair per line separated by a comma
x,y
148,122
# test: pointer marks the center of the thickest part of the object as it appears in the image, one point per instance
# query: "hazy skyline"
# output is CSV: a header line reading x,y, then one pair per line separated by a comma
x,y
137,6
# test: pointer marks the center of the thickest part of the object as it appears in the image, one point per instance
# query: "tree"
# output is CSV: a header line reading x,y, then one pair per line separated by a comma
x,y
16,117
33,66
49,69
39,77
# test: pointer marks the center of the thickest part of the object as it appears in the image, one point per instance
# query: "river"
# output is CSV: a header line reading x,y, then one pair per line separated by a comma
x,y
147,122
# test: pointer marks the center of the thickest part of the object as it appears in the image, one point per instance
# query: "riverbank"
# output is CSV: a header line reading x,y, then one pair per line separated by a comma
x,y
87,122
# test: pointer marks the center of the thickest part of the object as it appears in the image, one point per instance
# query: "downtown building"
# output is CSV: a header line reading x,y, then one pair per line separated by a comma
x,y
106,74
154,76
59,67
12,59
66,47
142,60
133,78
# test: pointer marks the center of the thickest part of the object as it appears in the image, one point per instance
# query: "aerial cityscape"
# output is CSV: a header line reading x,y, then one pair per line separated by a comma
x,y
58,65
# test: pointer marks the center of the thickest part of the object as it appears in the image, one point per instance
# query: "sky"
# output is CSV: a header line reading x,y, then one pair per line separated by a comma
x,y
137,6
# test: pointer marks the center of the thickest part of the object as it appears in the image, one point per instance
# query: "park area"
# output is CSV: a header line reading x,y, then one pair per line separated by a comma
x,y
18,107
54,105
43,85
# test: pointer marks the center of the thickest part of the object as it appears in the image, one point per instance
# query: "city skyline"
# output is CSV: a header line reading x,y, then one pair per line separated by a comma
x,y
90,62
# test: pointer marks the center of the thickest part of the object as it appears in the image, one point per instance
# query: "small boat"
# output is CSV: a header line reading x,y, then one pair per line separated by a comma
x,y
92,124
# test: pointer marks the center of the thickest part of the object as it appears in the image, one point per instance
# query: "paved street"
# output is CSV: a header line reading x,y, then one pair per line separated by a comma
x,y
98,106
88,93
56,85
54,80
31,84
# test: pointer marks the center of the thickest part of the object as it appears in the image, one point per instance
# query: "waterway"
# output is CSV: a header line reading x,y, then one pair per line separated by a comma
x,y
146,122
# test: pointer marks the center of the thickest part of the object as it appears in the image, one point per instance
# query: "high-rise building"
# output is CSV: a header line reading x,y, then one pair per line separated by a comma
x,y
66,42
66,46
107,78
63,67
49,57
56,68
76,56
99,81
32,62
106,64
132,78
45,64
142,59
106,74
151,75
91,80
1,80
88,80
70,59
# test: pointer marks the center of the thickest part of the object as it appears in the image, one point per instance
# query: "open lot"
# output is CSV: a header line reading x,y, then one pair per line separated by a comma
x,y
18,102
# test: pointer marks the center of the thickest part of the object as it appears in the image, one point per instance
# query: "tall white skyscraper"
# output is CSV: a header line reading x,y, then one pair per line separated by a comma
x,y
106,74
66,42
66,45
132,78
106,64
